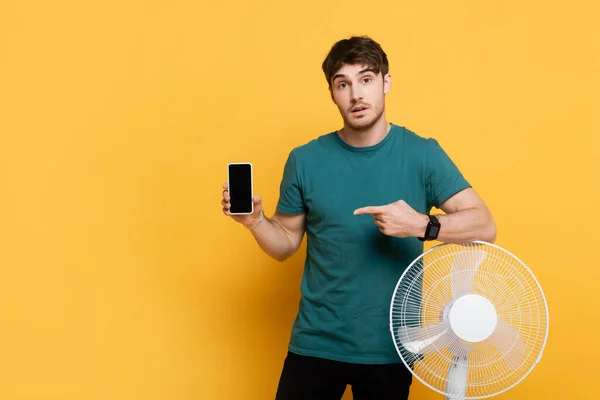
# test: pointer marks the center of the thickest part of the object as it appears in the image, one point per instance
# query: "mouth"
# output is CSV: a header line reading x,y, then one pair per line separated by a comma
x,y
358,109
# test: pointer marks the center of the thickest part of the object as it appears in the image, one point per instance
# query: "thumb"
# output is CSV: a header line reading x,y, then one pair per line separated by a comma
x,y
257,200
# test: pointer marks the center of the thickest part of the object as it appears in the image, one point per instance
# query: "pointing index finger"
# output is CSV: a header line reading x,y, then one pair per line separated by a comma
x,y
368,210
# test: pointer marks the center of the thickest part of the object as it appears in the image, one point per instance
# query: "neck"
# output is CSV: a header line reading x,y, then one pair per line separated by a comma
x,y
365,137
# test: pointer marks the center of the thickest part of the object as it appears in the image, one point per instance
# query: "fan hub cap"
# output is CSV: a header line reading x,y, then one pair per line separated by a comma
x,y
473,318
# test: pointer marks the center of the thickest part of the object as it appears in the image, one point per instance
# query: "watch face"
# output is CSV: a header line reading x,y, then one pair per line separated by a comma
x,y
433,231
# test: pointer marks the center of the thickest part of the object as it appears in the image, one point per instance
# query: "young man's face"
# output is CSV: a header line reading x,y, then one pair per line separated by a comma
x,y
359,94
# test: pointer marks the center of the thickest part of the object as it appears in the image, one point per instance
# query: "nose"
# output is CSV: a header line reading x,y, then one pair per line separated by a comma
x,y
356,93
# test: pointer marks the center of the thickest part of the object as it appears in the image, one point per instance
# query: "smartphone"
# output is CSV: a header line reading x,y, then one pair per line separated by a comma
x,y
239,177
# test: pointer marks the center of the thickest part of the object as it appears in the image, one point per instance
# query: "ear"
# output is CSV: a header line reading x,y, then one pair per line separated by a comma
x,y
387,83
331,94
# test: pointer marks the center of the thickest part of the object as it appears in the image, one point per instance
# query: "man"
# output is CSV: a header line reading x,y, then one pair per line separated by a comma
x,y
362,194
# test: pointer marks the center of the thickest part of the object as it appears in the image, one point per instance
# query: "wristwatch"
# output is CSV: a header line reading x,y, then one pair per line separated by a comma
x,y
433,229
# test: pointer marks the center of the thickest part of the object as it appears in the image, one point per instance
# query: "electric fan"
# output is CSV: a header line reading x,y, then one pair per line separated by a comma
x,y
469,320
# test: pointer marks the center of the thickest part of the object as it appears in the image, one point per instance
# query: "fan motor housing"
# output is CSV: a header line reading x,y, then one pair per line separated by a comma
x,y
472,318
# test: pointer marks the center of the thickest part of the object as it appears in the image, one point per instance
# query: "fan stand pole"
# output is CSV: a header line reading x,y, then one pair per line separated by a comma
x,y
457,378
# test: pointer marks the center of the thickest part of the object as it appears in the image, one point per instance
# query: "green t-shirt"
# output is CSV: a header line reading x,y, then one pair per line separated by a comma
x,y
351,268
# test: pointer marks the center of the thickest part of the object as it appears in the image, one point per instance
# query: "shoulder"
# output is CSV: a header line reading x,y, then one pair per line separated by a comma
x,y
314,147
416,144
416,140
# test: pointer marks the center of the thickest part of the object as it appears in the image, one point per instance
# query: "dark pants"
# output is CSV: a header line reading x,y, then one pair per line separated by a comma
x,y
310,378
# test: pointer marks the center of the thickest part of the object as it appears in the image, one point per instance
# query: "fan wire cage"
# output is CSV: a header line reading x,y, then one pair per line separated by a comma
x,y
426,341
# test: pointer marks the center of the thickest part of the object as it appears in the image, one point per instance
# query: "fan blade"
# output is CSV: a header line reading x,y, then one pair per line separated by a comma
x,y
464,268
425,340
509,343
456,383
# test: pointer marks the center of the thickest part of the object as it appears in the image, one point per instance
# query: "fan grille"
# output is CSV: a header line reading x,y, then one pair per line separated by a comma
x,y
423,295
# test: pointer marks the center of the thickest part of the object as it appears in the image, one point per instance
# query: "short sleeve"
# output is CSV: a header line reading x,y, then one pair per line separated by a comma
x,y
442,177
290,190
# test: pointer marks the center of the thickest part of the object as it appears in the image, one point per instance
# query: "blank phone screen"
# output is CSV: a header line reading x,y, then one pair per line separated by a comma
x,y
240,188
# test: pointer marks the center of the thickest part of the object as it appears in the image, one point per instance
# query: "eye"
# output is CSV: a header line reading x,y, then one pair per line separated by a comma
x,y
342,85
367,80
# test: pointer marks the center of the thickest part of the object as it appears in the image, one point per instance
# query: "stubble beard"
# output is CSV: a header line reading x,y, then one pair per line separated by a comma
x,y
363,124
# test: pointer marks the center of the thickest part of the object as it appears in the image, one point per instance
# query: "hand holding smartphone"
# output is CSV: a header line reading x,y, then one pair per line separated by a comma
x,y
238,197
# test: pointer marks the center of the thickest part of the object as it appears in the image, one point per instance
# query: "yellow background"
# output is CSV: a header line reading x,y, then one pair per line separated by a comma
x,y
120,277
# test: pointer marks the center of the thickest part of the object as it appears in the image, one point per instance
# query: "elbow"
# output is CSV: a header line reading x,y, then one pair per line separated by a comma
x,y
490,235
284,254
281,257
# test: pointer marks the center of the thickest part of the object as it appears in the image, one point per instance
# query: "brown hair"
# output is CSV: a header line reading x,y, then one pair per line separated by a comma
x,y
355,50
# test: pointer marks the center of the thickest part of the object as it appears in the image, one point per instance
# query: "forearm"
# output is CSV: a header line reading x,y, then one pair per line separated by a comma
x,y
465,226
273,239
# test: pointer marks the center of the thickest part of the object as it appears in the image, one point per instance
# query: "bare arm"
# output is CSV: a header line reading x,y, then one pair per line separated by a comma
x,y
279,237
467,218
